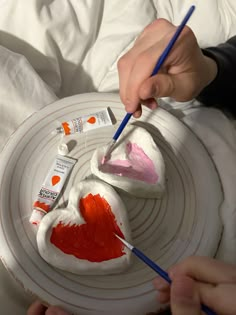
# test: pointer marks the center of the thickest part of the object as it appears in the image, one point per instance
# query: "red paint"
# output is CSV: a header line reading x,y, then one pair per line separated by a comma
x,y
41,205
66,128
94,241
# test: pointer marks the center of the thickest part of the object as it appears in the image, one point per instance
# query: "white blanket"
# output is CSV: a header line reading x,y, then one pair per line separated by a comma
x,y
52,49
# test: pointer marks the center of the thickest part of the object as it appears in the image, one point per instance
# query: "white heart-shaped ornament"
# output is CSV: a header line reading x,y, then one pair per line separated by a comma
x,y
135,165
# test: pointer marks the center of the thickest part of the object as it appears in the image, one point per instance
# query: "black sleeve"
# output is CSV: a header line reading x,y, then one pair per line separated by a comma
x,y
221,92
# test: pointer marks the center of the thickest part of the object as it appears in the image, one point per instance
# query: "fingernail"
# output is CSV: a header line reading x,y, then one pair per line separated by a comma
x,y
137,114
152,105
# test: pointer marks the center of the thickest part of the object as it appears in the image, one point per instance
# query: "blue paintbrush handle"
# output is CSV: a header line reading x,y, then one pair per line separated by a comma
x,y
207,310
159,63
151,264
164,274
122,126
168,48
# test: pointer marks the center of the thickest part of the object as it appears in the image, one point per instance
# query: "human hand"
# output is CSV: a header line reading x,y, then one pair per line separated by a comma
x,y
199,279
185,72
37,308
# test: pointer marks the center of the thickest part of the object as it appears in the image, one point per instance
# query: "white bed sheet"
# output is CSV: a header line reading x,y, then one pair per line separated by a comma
x,y
53,49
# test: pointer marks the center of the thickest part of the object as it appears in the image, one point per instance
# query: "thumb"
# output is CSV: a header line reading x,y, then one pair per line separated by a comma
x,y
184,297
160,85
182,87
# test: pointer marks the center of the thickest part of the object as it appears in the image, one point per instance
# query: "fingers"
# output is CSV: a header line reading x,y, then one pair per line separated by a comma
x,y
183,75
137,65
163,290
220,298
205,269
37,308
216,285
160,85
136,85
181,87
184,297
54,310
160,284
151,103
124,69
140,71
132,73
138,111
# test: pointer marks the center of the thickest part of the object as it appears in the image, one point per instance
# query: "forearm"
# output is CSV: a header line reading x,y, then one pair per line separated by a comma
x,y
221,91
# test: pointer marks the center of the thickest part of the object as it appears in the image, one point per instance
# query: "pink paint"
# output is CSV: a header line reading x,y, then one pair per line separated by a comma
x,y
137,166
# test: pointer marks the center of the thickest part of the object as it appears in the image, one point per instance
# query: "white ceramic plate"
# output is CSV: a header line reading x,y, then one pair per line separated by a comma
x,y
183,223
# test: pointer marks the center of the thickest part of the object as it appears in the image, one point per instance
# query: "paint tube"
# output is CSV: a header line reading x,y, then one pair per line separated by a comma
x,y
86,123
51,188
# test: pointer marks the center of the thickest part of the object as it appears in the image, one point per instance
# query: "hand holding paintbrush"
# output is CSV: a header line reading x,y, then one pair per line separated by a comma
x,y
159,63
158,269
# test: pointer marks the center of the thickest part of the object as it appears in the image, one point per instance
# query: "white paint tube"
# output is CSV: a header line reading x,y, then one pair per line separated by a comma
x,y
51,188
86,123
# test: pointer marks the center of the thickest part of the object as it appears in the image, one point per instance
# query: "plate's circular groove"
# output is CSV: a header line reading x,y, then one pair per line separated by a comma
x,y
184,222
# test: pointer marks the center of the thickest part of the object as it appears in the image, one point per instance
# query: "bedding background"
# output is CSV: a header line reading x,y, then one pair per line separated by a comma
x,y
51,49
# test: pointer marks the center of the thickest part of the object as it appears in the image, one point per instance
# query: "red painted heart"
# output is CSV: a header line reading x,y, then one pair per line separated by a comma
x,y
95,240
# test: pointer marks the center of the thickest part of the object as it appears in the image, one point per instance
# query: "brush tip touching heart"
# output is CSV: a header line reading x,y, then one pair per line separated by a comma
x,y
135,164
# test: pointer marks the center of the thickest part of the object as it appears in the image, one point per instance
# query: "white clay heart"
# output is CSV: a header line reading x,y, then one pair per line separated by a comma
x,y
135,165
67,241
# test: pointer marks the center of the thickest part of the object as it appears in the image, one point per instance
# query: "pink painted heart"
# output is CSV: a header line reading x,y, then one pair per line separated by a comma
x,y
135,165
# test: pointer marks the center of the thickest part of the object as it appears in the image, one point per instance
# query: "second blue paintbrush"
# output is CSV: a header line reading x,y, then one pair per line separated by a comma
x,y
158,269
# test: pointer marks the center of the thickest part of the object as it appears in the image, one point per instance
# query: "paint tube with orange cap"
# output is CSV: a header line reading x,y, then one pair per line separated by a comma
x,y
51,187
86,123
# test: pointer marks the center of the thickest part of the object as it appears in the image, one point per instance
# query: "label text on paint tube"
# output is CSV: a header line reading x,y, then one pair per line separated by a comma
x,y
86,123
51,187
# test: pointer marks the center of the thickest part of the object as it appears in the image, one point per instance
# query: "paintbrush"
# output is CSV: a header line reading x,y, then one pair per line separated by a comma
x,y
158,65
157,269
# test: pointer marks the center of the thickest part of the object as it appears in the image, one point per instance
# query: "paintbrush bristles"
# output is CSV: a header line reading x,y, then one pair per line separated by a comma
x,y
107,154
125,242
